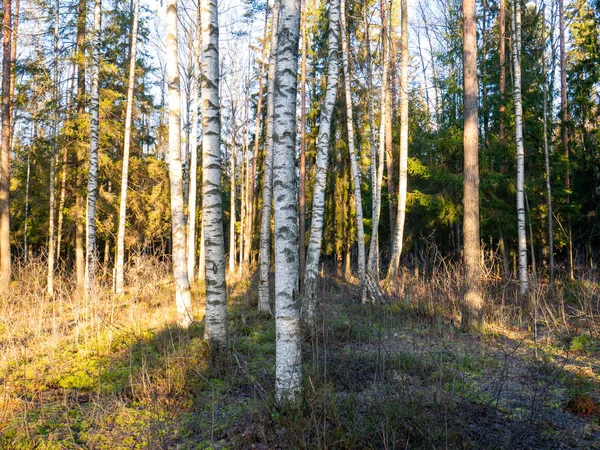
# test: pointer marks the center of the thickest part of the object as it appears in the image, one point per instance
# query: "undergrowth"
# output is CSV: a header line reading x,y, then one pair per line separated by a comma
x,y
117,372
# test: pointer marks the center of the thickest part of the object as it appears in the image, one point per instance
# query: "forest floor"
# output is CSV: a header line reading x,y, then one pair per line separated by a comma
x,y
117,373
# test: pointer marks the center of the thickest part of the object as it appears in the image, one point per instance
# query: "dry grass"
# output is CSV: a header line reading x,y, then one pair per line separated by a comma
x,y
116,372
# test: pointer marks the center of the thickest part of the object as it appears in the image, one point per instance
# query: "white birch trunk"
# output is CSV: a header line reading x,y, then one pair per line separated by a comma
x,y
264,301
360,231
373,262
182,283
288,365
323,139
92,187
212,209
120,257
522,235
403,175
193,191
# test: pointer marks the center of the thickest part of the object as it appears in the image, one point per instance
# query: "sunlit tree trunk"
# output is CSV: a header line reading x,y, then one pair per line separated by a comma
x,y
5,151
354,158
403,173
79,215
522,235
288,365
264,302
182,284
119,272
232,183
473,300
193,191
369,83
212,209
323,140
92,187
51,206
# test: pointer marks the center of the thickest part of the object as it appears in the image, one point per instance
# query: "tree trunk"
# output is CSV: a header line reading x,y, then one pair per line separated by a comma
x,y
51,206
264,302
321,163
502,56
119,272
79,219
473,310
354,160
252,179
288,365
5,151
182,283
522,235
193,191
373,263
403,173
369,82
92,188
547,166
232,184
302,199
212,209
564,135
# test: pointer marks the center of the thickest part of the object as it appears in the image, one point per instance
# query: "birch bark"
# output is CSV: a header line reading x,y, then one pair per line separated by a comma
x,y
264,302
120,259
321,163
212,208
92,187
182,283
403,173
522,235
288,365
360,232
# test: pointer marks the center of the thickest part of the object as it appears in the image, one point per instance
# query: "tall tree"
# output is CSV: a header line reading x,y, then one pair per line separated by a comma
x,y
252,179
212,209
522,234
288,365
193,191
79,219
51,207
302,196
92,188
5,151
182,284
264,303
473,311
120,257
360,232
321,163
403,172
564,131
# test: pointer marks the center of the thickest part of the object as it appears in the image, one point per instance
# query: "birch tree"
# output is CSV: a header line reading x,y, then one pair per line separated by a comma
x,y
403,173
521,226
264,302
321,163
92,187
212,210
193,191
182,284
288,364
120,257
360,232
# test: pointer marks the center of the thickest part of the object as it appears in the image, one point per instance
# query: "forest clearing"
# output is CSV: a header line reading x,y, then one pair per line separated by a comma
x,y
367,224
